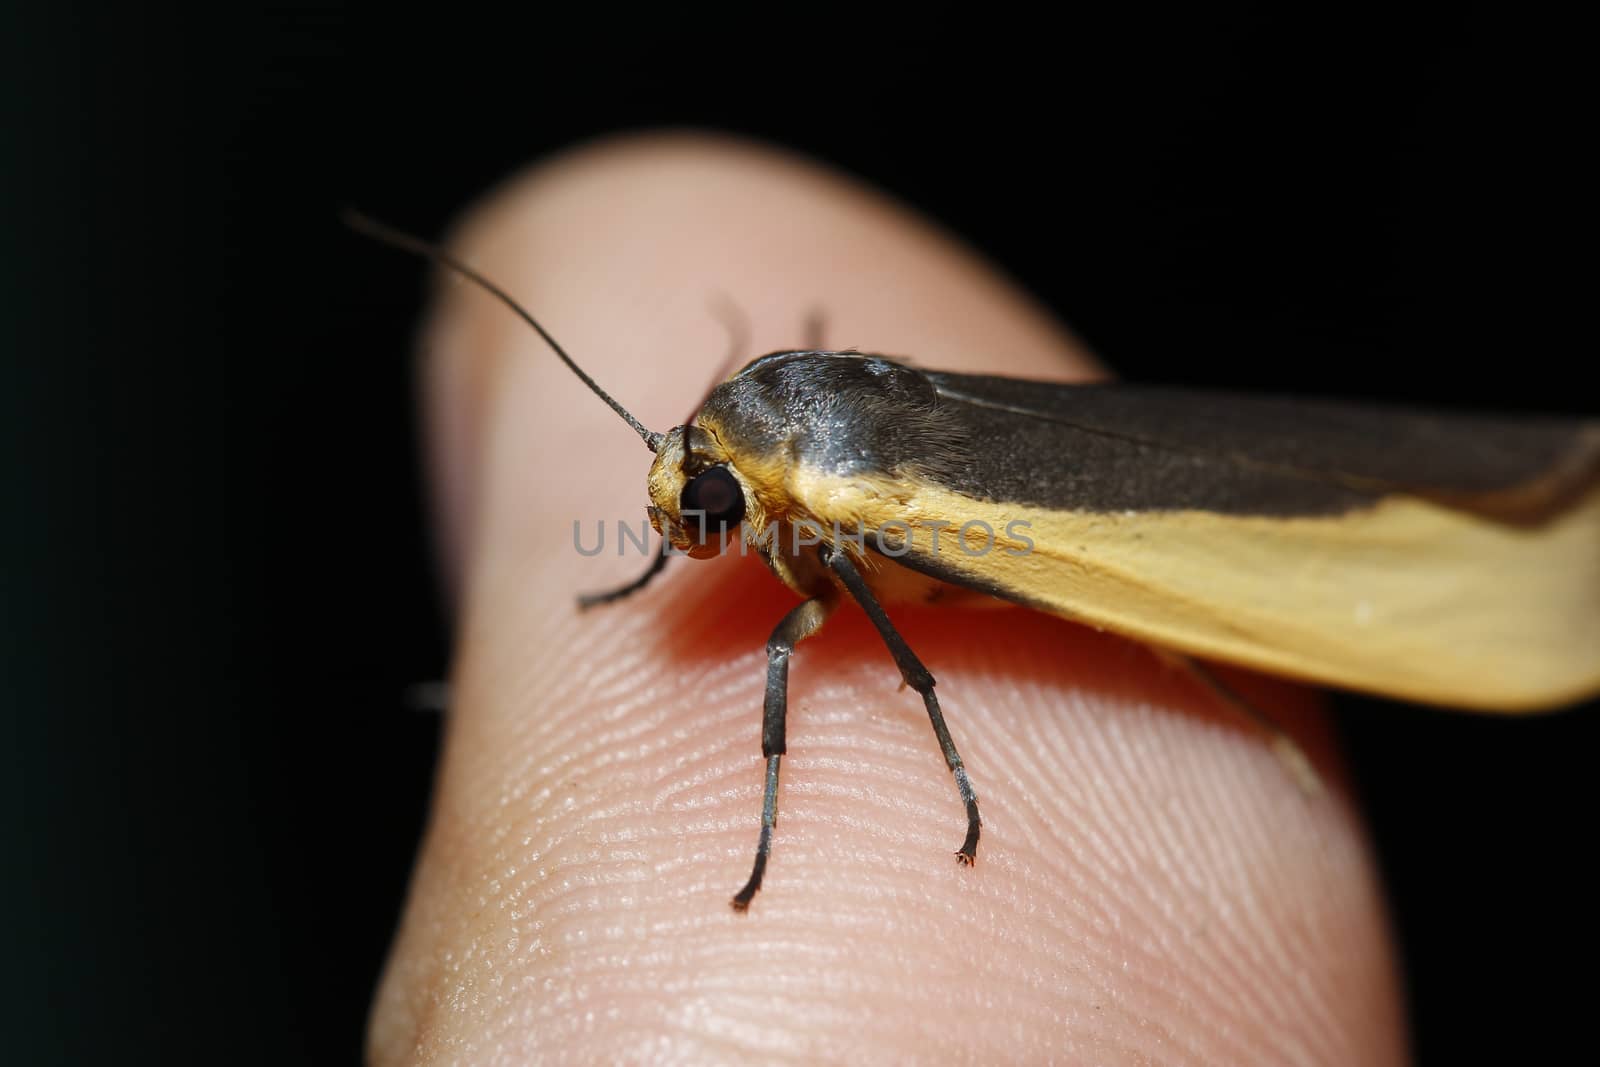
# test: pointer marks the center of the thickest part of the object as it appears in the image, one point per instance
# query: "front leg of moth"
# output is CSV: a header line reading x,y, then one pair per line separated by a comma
x,y
805,620
591,600
918,678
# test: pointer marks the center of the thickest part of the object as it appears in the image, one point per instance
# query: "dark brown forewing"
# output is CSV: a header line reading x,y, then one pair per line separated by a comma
x,y
1133,448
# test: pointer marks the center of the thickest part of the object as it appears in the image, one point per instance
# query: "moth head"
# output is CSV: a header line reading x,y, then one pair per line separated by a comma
x,y
697,498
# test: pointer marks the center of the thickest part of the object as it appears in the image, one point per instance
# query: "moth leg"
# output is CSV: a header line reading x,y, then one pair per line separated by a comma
x,y
1291,755
590,600
917,677
806,619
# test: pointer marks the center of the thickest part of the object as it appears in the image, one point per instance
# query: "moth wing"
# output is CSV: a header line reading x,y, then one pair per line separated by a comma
x,y
1444,559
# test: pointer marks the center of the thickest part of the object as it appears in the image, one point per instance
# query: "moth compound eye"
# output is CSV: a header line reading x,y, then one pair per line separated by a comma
x,y
713,499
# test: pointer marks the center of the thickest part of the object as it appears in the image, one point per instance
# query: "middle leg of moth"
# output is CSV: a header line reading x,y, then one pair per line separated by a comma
x,y
918,678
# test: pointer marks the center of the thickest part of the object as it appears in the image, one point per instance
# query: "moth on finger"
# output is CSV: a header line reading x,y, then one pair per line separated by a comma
x,y
1441,558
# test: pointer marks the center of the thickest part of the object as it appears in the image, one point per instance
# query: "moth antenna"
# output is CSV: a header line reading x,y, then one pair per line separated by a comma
x,y
737,323
815,328
406,242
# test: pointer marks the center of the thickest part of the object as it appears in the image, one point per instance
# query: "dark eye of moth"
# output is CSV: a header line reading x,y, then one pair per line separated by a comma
x,y
714,497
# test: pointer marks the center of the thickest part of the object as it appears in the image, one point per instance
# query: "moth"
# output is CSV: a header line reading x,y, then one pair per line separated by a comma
x,y
1442,558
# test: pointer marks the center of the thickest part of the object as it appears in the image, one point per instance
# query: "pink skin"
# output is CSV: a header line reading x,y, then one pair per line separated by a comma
x,y
1151,885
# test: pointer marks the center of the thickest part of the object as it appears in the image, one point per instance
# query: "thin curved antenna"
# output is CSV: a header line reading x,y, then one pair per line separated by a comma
x,y
816,326
737,323
399,239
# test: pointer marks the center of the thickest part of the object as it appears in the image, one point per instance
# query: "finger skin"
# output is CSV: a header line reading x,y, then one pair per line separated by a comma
x,y
1151,886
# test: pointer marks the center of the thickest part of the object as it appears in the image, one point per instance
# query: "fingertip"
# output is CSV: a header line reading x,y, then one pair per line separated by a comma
x,y
1147,887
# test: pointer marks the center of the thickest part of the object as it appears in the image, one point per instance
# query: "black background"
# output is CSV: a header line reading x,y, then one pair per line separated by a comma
x,y
217,582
